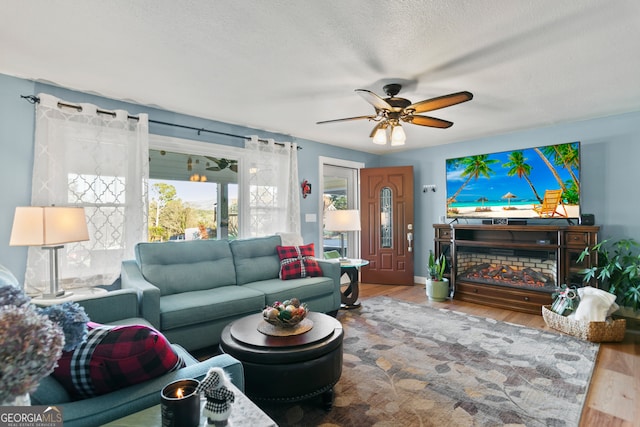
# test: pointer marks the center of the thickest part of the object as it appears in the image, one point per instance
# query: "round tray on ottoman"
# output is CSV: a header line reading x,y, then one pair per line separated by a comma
x,y
313,359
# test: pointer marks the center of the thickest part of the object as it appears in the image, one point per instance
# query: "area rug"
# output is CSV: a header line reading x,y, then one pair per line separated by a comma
x,y
413,365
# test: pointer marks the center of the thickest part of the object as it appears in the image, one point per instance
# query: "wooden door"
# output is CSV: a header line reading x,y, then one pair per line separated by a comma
x,y
386,206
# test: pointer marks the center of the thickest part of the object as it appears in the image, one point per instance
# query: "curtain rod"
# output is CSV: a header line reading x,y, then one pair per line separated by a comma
x,y
34,100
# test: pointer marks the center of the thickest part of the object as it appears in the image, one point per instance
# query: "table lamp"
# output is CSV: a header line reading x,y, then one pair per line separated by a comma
x,y
50,227
342,221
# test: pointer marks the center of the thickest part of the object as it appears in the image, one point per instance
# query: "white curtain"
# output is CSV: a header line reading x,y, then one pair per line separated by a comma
x,y
99,161
273,193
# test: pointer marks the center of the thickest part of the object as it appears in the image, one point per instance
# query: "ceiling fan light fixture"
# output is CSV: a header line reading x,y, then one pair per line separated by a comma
x,y
198,178
380,136
398,136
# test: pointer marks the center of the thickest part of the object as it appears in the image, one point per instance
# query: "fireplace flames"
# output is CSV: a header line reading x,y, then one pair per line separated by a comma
x,y
507,275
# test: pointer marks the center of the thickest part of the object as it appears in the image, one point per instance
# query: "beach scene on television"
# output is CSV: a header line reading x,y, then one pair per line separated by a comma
x,y
537,182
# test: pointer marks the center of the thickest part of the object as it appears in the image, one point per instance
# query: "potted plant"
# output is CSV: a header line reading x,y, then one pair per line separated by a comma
x,y
437,284
618,271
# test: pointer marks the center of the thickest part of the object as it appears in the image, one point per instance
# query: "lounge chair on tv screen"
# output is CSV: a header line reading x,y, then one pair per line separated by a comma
x,y
549,206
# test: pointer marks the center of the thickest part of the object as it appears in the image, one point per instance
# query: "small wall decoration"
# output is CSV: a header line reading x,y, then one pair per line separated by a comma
x,y
306,188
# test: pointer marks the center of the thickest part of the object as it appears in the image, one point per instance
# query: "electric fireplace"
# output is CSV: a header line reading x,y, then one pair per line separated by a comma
x,y
517,267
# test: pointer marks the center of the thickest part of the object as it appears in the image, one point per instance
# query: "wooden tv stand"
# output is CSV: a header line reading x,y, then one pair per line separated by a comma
x,y
516,267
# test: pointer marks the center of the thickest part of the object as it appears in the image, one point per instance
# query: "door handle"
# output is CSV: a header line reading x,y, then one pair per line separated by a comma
x,y
410,240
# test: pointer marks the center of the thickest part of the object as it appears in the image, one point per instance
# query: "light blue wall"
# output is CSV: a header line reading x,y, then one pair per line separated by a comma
x,y
609,179
16,164
16,144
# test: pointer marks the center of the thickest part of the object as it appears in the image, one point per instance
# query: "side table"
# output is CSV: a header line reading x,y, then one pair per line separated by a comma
x,y
243,413
77,294
350,267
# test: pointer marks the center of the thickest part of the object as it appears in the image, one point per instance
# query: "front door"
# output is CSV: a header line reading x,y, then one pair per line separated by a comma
x,y
386,206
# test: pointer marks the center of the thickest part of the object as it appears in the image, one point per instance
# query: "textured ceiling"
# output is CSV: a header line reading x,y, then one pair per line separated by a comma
x,y
282,66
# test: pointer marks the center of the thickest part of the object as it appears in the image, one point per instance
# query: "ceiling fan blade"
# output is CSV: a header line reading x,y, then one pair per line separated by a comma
x,y
375,100
440,102
427,121
347,119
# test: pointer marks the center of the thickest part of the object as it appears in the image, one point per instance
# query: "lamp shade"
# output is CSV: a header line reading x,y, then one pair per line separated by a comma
x,y
398,136
342,220
48,226
380,137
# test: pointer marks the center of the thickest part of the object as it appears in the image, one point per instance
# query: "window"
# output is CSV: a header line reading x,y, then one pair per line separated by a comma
x,y
386,217
104,201
193,190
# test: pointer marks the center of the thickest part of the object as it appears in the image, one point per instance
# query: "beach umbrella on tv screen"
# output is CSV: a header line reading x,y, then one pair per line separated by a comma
x,y
482,200
509,196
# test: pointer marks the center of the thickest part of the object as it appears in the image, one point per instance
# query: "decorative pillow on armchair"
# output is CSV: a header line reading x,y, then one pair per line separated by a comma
x,y
298,261
115,357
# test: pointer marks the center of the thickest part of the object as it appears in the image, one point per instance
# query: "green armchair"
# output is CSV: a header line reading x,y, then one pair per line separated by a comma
x,y
121,307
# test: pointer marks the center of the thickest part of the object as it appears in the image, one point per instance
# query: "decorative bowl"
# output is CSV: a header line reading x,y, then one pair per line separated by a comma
x,y
286,314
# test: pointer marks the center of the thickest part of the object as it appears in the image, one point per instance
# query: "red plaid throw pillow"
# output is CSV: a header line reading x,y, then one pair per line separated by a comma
x,y
115,357
298,261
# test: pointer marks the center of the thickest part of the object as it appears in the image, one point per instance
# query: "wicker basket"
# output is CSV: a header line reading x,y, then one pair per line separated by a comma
x,y
610,331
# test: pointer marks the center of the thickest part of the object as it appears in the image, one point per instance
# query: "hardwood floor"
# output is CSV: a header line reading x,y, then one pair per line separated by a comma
x,y
613,398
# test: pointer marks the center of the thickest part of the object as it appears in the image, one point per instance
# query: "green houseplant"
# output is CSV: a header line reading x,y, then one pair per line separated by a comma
x,y
618,270
437,284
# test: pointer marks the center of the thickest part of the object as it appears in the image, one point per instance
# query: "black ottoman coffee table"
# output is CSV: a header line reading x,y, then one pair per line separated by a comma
x,y
287,368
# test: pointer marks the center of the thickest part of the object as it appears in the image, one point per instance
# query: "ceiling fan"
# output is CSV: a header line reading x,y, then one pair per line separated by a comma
x,y
392,110
222,164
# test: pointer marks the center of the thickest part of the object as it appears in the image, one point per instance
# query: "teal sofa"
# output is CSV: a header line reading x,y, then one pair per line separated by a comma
x,y
190,290
120,307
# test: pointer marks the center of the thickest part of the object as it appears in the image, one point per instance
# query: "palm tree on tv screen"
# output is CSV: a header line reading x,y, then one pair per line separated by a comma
x,y
564,155
567,156
474,167
518,166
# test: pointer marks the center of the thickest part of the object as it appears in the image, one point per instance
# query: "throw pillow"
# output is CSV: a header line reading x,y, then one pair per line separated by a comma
x,y
115,357
594,304
298,261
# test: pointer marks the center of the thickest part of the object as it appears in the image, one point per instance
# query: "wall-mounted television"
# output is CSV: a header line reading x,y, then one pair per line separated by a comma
x,y
526,183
